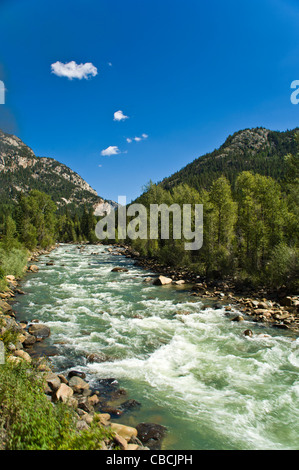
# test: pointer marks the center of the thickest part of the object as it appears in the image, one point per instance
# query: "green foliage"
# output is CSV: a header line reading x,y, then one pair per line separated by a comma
x,y
36,219
13,261
250,230
30,422
283,267
239,153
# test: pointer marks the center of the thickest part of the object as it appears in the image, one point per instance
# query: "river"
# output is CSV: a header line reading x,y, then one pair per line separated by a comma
x,y
191,368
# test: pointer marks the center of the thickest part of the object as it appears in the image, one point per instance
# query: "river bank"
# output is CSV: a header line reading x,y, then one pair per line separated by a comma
x,y
19,346
276,308
102,274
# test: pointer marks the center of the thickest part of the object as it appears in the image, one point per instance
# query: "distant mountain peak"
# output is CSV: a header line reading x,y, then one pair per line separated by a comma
x,y
21,170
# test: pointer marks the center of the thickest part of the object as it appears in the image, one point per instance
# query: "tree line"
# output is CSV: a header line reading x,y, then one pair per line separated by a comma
x,y
250,228
34,222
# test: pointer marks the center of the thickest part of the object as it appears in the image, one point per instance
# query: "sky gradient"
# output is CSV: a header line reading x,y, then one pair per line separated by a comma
x,y
184,74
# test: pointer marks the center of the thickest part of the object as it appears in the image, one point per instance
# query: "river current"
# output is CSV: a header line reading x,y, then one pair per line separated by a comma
x,y
191,368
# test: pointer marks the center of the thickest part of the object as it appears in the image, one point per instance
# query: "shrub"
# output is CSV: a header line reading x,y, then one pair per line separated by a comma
x,y
14,261
28,421
283,267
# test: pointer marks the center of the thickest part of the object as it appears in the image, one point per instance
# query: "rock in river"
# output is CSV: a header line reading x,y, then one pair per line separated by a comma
x,y
119,270
151,434
39,330
162,280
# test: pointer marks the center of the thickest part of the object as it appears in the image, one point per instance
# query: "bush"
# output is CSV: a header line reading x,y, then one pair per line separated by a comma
x,y
283,267
28,421
13,262
3,283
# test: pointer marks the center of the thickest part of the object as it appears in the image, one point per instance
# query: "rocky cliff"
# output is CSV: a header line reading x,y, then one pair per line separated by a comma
x,y
21,170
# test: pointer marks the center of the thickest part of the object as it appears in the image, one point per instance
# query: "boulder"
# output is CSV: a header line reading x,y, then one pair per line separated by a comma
x,y
119,270
14,359
133,447
11,279
126,432
76,373
120,442
64,393
162,280
33,268
78,384
39,330
23,355
286,301
62,379
238,318
83,404
5,307
248,333
93,400
103,418
262,305
53,381
97,357
29,340
151,434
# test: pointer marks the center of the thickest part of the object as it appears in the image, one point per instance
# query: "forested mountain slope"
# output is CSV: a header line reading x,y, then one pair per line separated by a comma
x,y
258,150
22,171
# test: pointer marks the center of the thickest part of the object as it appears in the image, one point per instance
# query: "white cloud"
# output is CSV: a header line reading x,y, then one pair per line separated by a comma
x,y
73,70
137,139
110,64
112,150
119,116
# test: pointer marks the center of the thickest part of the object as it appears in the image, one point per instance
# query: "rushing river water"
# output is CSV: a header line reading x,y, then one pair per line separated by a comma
x,y
191,368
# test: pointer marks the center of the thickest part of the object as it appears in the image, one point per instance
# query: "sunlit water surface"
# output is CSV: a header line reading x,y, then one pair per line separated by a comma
x,y
191,368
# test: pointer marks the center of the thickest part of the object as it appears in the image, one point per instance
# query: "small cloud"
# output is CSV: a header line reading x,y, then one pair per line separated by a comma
x,y
119,116
100,166
73,70
112,150
110,64
137,139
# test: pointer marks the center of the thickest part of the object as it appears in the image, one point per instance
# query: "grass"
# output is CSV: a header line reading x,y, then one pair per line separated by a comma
x,y
29,421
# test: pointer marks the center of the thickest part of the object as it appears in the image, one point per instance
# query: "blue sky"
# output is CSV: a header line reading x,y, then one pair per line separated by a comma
x,y
186,73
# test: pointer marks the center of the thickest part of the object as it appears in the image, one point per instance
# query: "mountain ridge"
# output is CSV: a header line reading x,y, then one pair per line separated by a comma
x,y
256,149
21,171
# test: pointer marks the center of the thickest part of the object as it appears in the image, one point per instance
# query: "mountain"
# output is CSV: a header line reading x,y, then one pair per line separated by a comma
x,y
258,150
21,171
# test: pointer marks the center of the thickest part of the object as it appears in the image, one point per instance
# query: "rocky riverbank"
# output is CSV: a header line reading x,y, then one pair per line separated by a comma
x,y
90,404
276,308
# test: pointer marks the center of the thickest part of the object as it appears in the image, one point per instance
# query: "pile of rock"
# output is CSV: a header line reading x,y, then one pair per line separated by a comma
x,y
76,392
283,314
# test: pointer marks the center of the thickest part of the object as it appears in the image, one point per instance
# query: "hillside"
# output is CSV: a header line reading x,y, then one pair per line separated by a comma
x,y
21,171
258,150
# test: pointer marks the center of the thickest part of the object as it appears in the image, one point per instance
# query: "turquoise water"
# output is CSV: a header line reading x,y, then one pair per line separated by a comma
x,y
190,367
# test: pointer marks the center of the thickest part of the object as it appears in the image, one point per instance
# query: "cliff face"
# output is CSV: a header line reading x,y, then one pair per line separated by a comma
x,y
22,170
